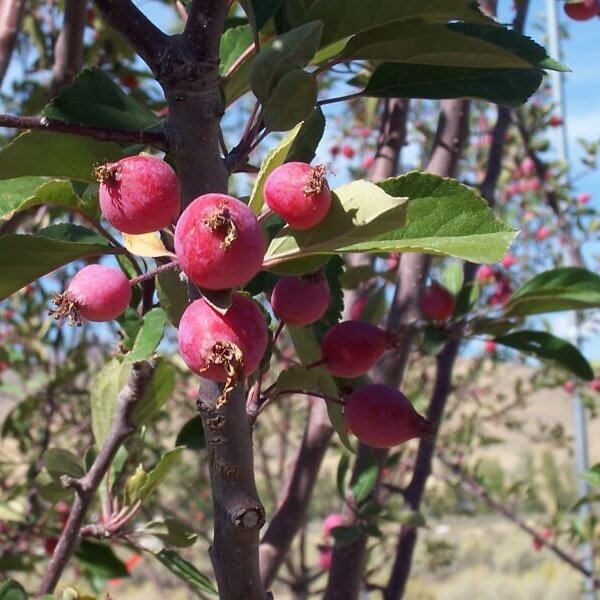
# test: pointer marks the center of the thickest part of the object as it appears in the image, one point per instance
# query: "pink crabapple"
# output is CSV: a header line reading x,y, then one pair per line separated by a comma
x,y
332,521
300,301
437,303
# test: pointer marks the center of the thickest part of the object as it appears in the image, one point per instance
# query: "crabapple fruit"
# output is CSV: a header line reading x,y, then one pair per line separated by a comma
x,y
299,194
139,194
351,348
582,11
219,242
96,293
595,385
301,300
490,347
358,308
219,346
437,303
508,261
348,151
331,522
543,233
569,386
325,557
584,197
381,416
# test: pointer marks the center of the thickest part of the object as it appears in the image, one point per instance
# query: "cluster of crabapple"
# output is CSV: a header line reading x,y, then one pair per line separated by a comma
x,y
220,245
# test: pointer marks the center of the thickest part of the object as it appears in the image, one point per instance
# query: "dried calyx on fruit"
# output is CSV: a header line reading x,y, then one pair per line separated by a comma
x,y
299,194
381,416
96,293
223,346
218,242
351,348
301,300
139,194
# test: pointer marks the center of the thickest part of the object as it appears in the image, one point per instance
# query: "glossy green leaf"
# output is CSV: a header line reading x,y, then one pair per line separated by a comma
x,y
345,535
264,10
100,560
304,146
157,475
41,153
366,479
171,531
274,158
172,295
157,392
191,435
25,258
547,346
234,42
359,213
567,288
296,377
453,277
592,475
186,571
59,461
149,336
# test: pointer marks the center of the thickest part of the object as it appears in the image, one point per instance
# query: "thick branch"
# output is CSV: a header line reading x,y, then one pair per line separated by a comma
x,y
122,428
141,34
122,136
68,54
11,15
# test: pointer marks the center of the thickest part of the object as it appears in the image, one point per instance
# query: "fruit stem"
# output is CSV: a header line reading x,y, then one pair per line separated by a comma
x,y
174,264
325,397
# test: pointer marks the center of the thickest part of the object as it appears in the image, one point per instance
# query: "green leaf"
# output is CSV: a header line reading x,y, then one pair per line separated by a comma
x,y
59,461
171,531
360,211
345,535
105,389
592,475
12,590
548,346
94,98
365,479
567,288
443,217
305,145
292,100
234,42
191,435
156,476
296,377
25,258
100,560
172,295
186,571
55,155
149,336
157,393
66,232
340,477
453,277
50,489
409,517
487,326
290,51
274,159
264,10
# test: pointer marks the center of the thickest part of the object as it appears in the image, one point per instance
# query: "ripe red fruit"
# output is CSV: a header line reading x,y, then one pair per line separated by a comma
x,y
299,194
219,242
527,166
382,417
367,162
595,385
490,347
325,557
213,344
437,303
348,151
582,11
129,80
96,293
334,150
584,198
508,261
485,274
139,194
351,348
301,300
555,121
50,545
569,386
537,544
542,233
331,522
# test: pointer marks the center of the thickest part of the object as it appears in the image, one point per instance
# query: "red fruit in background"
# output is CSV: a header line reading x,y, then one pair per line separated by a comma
x,y
357,309
365,132
382,417
206,337
334,150
301,300
63,510
129,80
331,522
393,261
486,274
219,242
325,557
569,386
584,198
367,162
508,261
139,194
527,166
437,303
543,233
513,188
9,314
348,151
96,293
502,293
50,545
595,385
490,347
3,365
582,11
351,348
555,121
299,194
537,544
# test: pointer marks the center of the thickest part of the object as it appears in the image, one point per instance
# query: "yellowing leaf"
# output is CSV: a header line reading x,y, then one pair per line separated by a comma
x,y
146,244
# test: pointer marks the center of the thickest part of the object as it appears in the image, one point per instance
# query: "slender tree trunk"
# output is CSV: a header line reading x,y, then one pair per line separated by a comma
x,y
11,14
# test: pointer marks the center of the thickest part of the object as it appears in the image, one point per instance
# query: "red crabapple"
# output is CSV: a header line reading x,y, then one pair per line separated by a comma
x,y
325,557
543,233
508,261
569,386
490,347
367,162
139,194
437,303
50,545
527,166
381,416
219,242
584,197
299,194
555,121
351,348
582,11
331,522
348,151
96,293
301,300
220,346
595,385
334,150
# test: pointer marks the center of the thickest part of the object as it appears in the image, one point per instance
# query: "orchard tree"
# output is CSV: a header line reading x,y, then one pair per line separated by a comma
x,y
126,195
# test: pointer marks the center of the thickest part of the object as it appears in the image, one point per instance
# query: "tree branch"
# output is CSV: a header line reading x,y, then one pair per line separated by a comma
x,y
141,34
85,488
11,15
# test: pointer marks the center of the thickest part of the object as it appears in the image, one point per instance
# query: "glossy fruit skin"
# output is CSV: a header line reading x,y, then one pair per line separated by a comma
x,y
101,293
287,193
437,303
201,326
381,416
301,300
351,348
208,254
331,522
139,194
582,11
